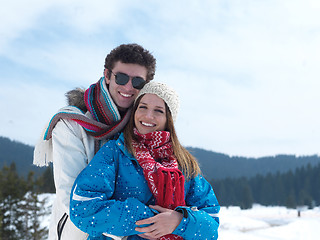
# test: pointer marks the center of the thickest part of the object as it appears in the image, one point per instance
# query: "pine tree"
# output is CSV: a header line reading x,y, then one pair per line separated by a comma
x,y
46,180
1,203
21,211
33,210
315,185
290,202
246,197
12,191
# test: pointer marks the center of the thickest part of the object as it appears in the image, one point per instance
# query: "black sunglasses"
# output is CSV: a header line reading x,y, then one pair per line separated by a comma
x,y
123,79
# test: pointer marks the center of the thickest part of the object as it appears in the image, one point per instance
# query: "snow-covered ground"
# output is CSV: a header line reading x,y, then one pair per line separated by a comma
x,y
266,223
260,223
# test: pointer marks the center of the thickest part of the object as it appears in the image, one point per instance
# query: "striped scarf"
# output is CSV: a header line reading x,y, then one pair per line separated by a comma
x,y
106,120
154,154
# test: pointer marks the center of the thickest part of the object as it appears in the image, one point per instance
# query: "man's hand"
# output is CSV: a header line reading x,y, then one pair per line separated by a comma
x,y
162,224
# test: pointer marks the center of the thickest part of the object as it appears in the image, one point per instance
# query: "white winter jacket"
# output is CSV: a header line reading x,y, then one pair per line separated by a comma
x,y
70,150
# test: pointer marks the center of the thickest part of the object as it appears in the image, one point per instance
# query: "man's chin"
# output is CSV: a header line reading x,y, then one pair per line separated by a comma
x,y
123,107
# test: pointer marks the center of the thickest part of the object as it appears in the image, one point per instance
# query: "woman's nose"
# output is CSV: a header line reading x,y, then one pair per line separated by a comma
x,y
149,114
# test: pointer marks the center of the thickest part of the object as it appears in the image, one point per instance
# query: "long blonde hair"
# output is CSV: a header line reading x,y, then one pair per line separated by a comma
x,y
187,162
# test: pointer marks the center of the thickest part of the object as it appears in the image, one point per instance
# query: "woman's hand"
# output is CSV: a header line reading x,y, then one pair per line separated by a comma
x,y
161,224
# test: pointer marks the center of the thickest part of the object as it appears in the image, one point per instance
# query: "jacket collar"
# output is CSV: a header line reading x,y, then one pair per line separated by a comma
x,y
120,144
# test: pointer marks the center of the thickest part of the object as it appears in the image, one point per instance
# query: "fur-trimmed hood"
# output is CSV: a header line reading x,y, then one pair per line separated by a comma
x,y
75,98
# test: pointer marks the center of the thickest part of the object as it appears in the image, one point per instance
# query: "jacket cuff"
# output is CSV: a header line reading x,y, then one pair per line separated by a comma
x,y
180,230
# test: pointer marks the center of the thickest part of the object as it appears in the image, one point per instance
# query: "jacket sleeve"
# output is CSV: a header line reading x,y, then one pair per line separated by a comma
x,y
200,217
69,158
92,208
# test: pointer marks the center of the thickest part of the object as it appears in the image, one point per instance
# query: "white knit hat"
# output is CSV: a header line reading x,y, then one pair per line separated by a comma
x,y
164,92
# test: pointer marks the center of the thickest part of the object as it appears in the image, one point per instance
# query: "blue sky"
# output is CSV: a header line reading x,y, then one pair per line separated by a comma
x,y
246,71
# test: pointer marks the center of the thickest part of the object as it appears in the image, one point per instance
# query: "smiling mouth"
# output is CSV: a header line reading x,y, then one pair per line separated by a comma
x,y
125,95
148,124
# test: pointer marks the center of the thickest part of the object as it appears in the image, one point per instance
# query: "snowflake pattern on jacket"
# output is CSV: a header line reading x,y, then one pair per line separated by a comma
x,y
111,194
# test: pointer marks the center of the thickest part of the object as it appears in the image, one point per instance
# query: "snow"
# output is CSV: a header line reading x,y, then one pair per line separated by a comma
x,y
266,223
45,221
259,223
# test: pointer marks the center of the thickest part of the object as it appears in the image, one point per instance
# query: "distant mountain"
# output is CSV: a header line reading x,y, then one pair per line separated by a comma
x,y
213,165
19,153
218,166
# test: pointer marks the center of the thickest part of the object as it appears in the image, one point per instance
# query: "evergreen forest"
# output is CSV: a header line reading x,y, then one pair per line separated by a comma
x,y
292,189
21,209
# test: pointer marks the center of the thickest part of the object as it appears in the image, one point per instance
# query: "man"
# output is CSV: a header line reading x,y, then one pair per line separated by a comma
x,y
77,131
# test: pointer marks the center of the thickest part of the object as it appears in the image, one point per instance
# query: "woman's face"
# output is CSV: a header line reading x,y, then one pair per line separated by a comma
x,y
151,114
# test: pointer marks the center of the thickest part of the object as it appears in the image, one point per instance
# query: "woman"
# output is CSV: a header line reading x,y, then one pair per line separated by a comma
x,y
145,185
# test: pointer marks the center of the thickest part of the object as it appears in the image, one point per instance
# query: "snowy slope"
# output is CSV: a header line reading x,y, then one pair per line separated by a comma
x,y
266,223
260,223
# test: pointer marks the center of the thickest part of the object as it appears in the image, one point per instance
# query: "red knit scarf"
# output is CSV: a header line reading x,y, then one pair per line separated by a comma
x,y
160,168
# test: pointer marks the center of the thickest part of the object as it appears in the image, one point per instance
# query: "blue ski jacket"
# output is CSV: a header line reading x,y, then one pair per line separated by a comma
x,y
111,194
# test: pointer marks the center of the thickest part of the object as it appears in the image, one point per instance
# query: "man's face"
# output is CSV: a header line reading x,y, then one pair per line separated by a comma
x,y
124,95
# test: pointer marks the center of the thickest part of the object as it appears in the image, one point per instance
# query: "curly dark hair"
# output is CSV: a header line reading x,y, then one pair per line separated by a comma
x,y
132,53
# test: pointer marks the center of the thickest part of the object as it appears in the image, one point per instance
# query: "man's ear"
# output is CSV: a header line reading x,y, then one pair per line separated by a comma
x,y
107,75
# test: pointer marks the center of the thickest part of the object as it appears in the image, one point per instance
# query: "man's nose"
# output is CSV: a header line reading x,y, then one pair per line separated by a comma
x,y
128,85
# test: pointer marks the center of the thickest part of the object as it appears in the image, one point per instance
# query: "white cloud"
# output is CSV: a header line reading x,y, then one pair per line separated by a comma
x,y
18,16
247,71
